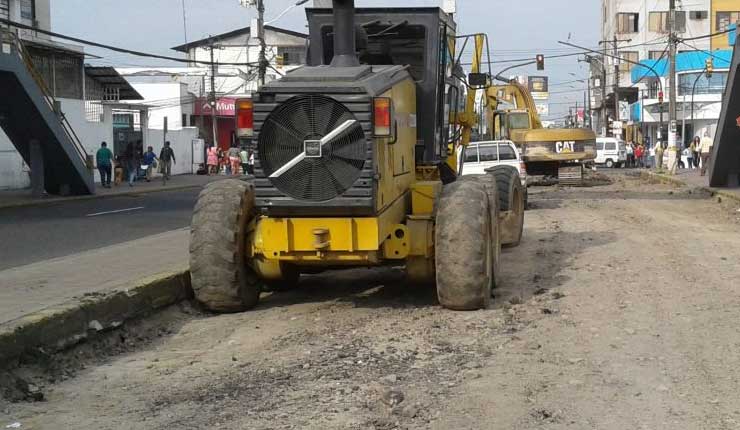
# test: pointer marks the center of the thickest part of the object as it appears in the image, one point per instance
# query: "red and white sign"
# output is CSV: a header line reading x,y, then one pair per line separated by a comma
x,y
225,106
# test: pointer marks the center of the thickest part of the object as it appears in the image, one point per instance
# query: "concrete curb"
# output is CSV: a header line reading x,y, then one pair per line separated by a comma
x,y
60,327
676,181
57,200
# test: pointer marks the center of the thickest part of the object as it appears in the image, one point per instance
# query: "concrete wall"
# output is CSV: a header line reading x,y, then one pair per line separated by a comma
x,y
170,99
14,173
180,141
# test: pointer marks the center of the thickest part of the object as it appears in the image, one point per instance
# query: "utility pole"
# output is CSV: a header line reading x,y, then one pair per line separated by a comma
x,y
263,43
213,102
587,106
615,41
672,94
576,117
616,82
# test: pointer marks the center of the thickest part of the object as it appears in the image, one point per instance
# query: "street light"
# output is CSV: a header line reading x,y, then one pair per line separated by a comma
x,y
291,7
651,68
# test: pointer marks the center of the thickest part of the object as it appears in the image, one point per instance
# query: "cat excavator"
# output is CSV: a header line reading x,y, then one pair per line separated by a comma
x,y
561,153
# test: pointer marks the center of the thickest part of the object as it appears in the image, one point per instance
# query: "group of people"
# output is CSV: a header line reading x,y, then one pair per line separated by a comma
x,y
233,162
699,150
636,155
697,154
133,161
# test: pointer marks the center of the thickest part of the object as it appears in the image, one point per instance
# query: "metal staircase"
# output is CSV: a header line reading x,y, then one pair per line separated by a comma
x,y
31,117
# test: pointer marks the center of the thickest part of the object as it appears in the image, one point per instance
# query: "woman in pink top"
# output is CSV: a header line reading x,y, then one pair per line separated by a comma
x,y
212,160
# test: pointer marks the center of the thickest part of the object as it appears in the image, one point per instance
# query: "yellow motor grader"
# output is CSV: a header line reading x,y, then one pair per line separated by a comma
x,y
355,165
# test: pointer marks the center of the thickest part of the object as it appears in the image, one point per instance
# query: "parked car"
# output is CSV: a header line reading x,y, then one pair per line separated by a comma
x,y
480,156
610,152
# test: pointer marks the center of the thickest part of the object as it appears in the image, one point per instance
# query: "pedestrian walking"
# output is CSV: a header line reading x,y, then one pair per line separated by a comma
x,y
166,160
659,156
244,159
212,160
705,151
250,162
132,163
638,155
695,144
234,160
104,160
630,154
150,162
689,153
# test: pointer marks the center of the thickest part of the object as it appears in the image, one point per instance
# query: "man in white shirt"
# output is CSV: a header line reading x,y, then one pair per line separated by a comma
x,y
705,151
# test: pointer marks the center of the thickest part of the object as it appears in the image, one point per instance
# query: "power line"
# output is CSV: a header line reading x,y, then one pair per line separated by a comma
x,y
114,48
706,36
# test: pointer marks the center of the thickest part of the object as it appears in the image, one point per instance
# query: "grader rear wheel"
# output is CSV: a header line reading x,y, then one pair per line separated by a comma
x,y
464,247
221,279
511,203
489,183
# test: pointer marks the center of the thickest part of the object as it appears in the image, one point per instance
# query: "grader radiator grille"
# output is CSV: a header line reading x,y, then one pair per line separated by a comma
x,y
331,178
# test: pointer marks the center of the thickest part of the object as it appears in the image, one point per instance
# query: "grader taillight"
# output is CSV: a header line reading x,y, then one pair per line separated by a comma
x,y
382,116
244,118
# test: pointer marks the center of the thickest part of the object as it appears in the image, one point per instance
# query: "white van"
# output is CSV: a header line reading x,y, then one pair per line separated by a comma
x,y
611,152
479,156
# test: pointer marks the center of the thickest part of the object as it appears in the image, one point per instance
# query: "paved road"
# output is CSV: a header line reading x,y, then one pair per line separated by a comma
x,y
33,234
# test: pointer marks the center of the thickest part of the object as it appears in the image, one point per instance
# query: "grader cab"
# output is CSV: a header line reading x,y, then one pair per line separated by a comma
x,y
355,166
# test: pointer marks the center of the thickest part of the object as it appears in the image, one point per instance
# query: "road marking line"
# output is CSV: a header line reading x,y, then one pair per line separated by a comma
x,y
115,212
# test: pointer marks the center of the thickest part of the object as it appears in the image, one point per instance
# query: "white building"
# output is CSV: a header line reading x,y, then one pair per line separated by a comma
x,y
285,50
235,56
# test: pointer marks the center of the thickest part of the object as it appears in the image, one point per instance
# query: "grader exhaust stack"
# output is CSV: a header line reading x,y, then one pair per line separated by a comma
x,y
344,34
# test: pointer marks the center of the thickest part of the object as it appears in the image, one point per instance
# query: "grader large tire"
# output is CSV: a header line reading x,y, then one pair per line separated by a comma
x,y
489,183
511,203
221,279
463,247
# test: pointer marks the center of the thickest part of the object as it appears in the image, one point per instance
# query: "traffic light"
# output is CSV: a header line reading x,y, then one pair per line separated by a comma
x,y
540,62
660,97
709,67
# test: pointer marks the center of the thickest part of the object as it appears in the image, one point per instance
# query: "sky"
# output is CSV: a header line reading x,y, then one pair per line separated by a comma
x,y
516,30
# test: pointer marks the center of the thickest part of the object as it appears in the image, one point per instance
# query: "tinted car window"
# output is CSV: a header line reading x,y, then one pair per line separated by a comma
x,y
471,154
599,146
487,153
611,146
506,153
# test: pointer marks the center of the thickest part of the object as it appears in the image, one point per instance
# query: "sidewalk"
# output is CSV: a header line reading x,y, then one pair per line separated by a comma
x,y
692,178
33,288
17,198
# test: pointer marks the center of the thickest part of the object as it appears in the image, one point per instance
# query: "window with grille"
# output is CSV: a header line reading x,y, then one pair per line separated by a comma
x,y
28,12
631,57
61,73
292,55
93,100
4,9
627,22
725,19
658,22
656,55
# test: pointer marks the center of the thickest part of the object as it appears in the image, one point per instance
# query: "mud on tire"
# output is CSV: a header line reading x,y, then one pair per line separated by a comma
x,y
489,183
221,279
463,247
511,203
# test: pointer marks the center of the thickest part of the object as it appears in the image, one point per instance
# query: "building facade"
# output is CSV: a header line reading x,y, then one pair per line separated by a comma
x,y
91,98
637,30
236,55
